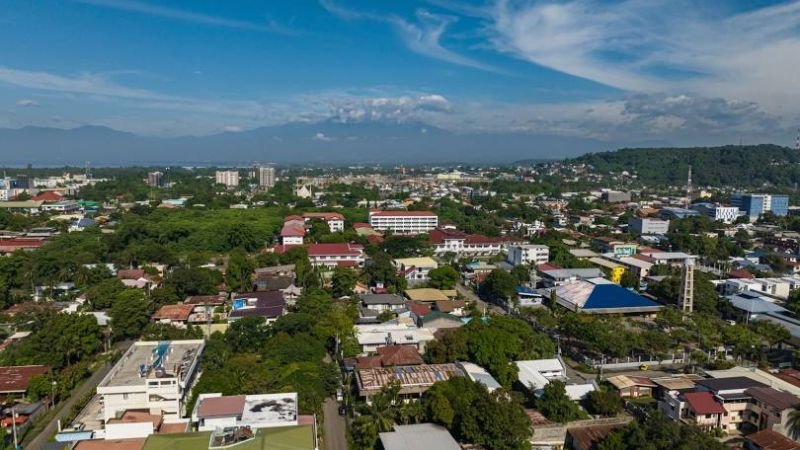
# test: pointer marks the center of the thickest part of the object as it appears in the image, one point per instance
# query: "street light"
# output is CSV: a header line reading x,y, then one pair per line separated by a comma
x,y
53,397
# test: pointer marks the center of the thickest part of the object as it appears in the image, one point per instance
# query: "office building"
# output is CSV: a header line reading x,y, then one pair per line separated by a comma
x,y
155,179
229,178
266,176
531,254
726,214
616,196
403,222
754,205
155,376
637,225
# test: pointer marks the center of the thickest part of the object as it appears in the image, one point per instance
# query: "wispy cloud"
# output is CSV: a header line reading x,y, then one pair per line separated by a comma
x,y
27,102
268,25
422,36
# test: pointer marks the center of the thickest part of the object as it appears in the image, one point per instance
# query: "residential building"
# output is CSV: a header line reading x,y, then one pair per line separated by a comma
x,y
616,196
14,380
536,373
415,270
372,336
771,409
704,410
528,254
383,302
151,375
228,178
770,440
336,254
726,214
293,231
155,179
217,411
630,386
754,205
478,374
419,436
177,315
266,176
403,222
618,248
647,225
268,304
390,356
334,220
62,207
463,244
413,380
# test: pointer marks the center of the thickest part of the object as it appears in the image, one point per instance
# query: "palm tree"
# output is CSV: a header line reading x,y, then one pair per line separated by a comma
x,y
794,423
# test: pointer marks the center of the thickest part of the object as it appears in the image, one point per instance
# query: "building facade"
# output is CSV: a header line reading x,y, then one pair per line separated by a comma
x,y
754,205
726,214
266,176
648,225
403,222
229,178
531,254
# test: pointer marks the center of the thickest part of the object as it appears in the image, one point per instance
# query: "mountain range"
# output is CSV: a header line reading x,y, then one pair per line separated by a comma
x,y
328,142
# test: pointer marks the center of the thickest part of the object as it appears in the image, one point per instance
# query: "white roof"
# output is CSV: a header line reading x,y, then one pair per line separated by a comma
x,y
480,375
577,392
542,365
530,372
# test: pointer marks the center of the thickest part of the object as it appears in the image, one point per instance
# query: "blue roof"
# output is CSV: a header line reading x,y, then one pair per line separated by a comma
x,y
614,296
526,290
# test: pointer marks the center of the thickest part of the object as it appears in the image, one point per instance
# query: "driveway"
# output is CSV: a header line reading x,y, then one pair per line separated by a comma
x,y
335,427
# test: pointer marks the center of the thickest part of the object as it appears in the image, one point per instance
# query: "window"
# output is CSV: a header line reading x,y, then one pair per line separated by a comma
x,y
125,396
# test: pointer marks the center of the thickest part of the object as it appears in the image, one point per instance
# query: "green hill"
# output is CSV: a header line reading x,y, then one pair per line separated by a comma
x,y
732,165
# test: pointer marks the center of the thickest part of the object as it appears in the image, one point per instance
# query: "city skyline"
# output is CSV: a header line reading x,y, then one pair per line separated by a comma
x,y
679,73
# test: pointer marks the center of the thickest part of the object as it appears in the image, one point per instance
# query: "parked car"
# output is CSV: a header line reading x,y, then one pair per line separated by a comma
x,y
339,395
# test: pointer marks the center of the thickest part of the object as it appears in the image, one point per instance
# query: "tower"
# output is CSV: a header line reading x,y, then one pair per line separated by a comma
x,y
689,188
686,297
797,140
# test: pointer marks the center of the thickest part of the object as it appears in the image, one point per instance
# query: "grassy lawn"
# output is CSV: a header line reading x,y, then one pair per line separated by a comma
x,y
286,438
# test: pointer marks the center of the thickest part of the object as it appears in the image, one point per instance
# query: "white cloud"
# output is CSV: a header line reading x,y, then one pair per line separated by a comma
x,y
402,108
27,102
233,129
189,16
322,137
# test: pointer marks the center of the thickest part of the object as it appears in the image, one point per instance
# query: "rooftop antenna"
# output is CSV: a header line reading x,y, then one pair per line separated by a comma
x,y
689,188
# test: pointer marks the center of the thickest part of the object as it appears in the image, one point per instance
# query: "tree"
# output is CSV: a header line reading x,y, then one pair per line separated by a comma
x,y
500,284
40,386
659,433
522,273
129,314
187,281
604,402
444,277
794,423
555,404
169,332
247,334
630,280
239,270
102,295
343,281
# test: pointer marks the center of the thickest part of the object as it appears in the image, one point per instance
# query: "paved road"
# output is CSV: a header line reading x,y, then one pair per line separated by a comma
x,y
335,427
470,295
39,441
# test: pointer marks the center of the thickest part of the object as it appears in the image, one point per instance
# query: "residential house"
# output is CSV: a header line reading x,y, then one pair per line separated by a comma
x,y
769,440
334,220
419,436
391,355
217,411
438,320
528,254
293,231
629,386
415,270
14,380
771,409
413,380
267,304
383,302
176,315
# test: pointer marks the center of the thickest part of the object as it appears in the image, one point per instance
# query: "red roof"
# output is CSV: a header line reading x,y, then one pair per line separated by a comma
x,y
335,249
439,235
293,218
48,196
419,309
293,229
481,239
16,378
130,274
741,273
359,225
547,266
402,213
180,312
226,406
323,215
12,245
703,403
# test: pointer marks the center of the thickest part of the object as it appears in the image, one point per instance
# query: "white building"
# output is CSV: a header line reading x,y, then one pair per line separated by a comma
x,y
726,214
229,178
151,375
531,254
215,411
460,243
266,176
334,220
648,225
403,222
370,337
337,254
415,270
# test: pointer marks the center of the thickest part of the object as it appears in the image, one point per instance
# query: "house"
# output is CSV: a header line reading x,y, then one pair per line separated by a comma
x,y
419,436
372,336
334,220
154,376
610,245
403,222
438,320
704,410
632,386
413,380
478,374
176,315
770,440
588,437
217,411
415,270
14,380
391,355
454,307
331,255
293,231
383,302
426,295
10,245
771,409
267,304
535,374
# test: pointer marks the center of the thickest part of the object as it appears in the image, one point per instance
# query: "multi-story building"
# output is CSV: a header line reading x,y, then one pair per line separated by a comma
x,y
415,270
616,196
155,376
726,214
618,248
266,176
460,243
754,205
155,179
293,231
531,254
403,222
334,220
337,254
647,225
229,178
215,411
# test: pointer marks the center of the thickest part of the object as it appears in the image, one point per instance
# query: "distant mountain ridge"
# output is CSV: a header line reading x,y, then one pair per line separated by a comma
x,y
328,142
731,165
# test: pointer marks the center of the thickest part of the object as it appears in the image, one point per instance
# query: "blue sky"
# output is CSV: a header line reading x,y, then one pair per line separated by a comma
x,y
680,71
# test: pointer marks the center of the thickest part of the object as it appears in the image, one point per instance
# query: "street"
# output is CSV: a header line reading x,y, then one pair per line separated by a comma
x,y
39,441
335,427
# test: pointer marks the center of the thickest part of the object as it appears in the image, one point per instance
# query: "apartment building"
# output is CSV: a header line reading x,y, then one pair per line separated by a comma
x,y
266,176
229,178
531,254
403,222
155,376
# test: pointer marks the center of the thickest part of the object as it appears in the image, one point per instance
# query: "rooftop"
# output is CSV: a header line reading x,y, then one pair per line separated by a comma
x,y
729,384
411,378
423,261
599,296
401,213
419,436
426,295
154,360
178,312
283,438
16,378
774,398
704,403
772,440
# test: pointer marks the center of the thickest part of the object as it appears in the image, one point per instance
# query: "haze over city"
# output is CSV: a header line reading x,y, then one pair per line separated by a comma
x,y
433,80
